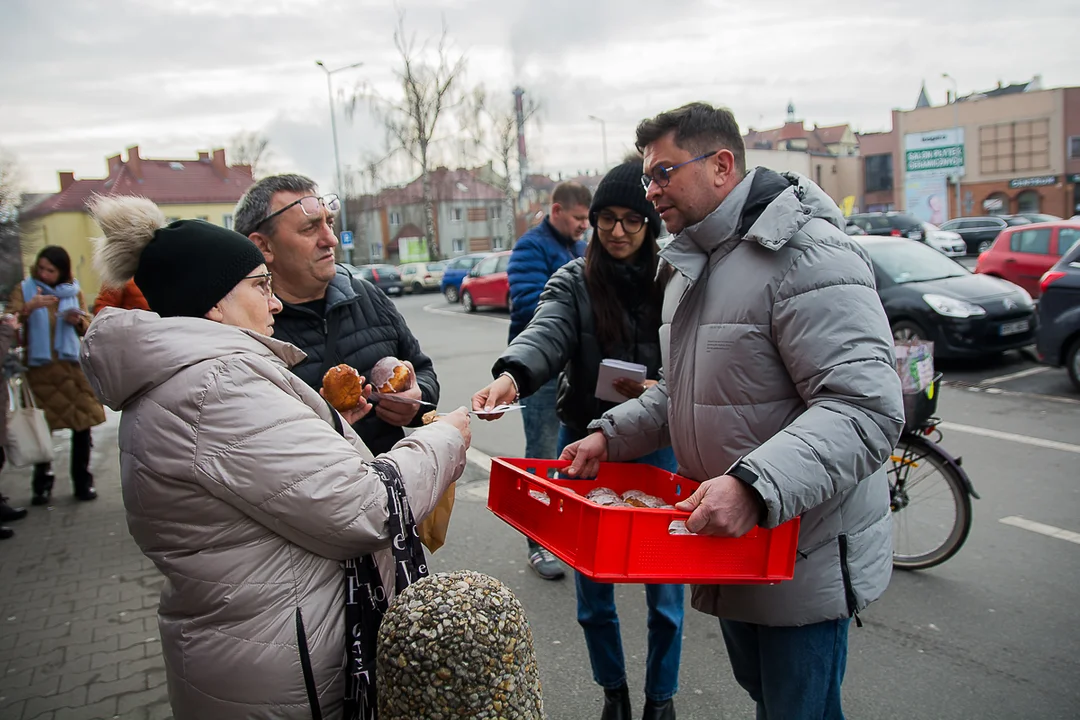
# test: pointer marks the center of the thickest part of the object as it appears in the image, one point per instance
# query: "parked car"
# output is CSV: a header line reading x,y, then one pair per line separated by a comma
x,y
384,277
898,224
927,296
455,271
946,242
1057,341
1038,217
421,277
487,285
1022,254
979,232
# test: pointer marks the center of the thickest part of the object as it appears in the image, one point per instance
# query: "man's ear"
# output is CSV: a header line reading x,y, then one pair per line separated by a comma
x,y
724,162
263,243
215,314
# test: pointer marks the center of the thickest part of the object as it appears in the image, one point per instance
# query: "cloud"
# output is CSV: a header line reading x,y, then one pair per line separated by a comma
x,y
85,78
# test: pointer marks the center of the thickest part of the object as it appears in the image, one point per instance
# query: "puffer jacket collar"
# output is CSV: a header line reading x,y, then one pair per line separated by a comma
x,y
147,349
766,207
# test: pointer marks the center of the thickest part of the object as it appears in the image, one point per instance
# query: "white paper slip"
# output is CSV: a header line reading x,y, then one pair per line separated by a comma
x,y
498,409
612,370
377,396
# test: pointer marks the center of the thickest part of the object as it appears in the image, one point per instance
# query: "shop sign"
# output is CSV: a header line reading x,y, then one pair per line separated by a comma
x,y
1041,181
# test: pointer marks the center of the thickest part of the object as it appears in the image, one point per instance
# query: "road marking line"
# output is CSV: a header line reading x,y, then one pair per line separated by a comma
x,y
468,316
479,458
1042,529
990,390
1012,437
1014,376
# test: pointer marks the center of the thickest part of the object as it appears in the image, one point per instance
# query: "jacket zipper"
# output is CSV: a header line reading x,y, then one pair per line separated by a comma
x,y
305,666
849,592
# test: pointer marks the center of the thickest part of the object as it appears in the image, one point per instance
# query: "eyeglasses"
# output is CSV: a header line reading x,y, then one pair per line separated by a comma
x,y
662,175
630,223
267,287
310,204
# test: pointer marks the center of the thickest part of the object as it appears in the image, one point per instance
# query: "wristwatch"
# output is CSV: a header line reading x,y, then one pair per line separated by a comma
x,y
742,471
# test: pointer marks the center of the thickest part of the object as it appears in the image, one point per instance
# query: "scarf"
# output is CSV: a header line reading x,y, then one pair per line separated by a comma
x,y
65,341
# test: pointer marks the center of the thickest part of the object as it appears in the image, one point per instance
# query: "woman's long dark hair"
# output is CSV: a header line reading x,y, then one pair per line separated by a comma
x,y
60,259
601,279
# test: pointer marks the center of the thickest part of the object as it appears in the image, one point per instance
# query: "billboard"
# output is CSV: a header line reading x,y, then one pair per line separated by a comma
x,y
938,152
926,197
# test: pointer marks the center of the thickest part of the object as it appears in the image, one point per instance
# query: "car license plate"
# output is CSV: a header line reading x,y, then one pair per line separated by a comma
x,y
915,235
1015,327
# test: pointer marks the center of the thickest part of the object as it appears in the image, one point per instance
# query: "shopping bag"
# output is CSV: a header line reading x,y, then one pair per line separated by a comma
x,y
432,529
29,440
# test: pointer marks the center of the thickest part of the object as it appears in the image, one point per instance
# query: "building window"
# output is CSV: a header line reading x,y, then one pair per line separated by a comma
x,y
395,218
458,245
456,214
996,204
497,243
227,222
879,173
1020,146
1028,201
1074,147
376,251
495,212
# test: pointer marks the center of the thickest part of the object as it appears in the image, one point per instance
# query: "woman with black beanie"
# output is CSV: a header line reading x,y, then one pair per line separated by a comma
x,y
605,305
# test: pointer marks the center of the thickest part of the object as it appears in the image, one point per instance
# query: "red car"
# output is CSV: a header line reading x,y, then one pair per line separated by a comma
x,y
486,285
1023,253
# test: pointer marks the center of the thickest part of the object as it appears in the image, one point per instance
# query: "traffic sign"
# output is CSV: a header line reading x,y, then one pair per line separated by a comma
x,y
346,239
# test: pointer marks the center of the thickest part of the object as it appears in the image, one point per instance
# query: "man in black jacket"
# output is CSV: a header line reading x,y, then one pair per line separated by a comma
x,y
330,315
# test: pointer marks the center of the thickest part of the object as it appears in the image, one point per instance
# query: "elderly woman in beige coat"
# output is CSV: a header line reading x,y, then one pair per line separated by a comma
x,y
236,481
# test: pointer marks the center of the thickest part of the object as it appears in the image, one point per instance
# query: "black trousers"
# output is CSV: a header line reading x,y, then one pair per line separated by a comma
x,y
81,443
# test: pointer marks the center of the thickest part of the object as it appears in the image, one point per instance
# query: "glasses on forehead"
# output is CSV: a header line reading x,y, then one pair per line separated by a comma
x,y
662,175
310,204
265,283
630,223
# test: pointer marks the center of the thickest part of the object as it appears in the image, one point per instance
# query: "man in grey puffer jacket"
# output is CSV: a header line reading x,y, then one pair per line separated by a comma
x,y
780,397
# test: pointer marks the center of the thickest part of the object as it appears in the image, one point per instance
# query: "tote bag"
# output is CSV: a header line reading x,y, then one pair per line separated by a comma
x,y
29,440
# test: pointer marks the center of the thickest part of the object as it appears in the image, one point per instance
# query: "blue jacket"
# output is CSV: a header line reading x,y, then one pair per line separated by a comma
x,y
536,256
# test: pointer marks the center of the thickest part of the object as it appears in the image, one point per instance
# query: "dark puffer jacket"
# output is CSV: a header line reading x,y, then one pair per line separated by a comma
x,y
537,255
562,339
369,328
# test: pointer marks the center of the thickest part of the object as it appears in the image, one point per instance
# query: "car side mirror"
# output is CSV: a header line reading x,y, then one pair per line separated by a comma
x,y
473,273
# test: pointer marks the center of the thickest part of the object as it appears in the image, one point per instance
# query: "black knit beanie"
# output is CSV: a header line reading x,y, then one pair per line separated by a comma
x,y
191,265
622,187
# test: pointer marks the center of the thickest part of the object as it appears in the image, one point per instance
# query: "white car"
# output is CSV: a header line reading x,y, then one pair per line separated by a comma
x,y
945,242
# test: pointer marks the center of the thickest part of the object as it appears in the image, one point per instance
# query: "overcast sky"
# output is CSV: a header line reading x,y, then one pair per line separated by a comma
x,y
84,79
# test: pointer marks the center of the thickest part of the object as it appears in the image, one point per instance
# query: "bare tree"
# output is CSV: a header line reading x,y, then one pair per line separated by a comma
x,y
250,148
492,126
10,194
429,82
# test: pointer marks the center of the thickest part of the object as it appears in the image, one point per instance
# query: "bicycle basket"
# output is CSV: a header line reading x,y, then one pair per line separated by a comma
x,y
919,407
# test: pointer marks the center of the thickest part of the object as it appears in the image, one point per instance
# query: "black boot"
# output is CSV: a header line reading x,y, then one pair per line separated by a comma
x,y
664,710
81,479
6,532
8,513
616,704
42,484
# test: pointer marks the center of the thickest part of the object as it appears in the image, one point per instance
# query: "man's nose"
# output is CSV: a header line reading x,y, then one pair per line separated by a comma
x,y
327,238
653,191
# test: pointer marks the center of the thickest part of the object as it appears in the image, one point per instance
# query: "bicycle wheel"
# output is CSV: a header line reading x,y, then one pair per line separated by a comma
x,y
931,508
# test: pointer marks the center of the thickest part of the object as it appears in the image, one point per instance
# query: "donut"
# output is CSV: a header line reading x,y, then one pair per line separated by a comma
x,y
342,387
390,375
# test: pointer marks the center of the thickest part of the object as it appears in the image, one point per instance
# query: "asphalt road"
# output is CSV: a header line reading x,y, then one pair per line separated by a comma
x,y
990,634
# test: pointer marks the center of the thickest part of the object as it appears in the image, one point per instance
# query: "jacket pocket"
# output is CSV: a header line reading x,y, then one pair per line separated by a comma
x,y
305,665
845,573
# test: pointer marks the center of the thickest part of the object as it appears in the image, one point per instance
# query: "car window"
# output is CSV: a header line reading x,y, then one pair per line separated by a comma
x,y
1036,242
1017,221
487,266
954,224
504,260
432,267
1067,238
473,262
878,223
904,222
907,261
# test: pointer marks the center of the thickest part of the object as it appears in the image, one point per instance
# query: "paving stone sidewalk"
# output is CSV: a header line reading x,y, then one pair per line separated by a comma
x,y
78,602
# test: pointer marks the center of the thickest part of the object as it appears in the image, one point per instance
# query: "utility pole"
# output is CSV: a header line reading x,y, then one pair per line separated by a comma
x,y
603,137
956,130
337,155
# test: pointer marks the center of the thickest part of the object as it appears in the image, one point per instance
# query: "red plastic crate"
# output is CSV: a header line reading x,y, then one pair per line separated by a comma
x,y
612,544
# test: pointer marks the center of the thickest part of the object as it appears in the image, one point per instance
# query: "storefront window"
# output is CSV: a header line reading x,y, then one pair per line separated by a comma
x,y
996,204
1028,201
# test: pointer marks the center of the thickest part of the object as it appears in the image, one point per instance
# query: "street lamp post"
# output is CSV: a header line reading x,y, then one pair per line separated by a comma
x,y
603,137
956,130
337,155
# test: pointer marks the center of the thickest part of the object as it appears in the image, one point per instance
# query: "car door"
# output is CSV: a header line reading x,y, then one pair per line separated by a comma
x,y
980,231
480,284
1029,258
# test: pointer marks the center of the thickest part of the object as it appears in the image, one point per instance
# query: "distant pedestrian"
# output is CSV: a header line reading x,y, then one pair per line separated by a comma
x,y
536,256
9,325
53,313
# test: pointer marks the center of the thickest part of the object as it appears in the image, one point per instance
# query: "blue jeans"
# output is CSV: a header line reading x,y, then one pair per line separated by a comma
x,y
541,428
790,672
600,621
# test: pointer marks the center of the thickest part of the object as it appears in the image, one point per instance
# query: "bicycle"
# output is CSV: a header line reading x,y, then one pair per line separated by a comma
x,y
930,493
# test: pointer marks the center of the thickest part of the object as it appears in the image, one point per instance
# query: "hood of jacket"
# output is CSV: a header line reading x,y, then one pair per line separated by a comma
x,y
766,207
126,353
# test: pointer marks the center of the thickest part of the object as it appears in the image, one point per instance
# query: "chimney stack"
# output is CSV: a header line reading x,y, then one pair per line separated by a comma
x,y
115,164
204,156
67,179
135,162
218,163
